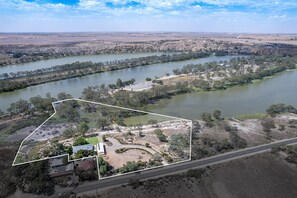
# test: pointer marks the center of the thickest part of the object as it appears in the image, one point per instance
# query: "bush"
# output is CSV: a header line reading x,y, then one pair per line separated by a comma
x,y
197,173
121,150
160,135
104,167
80,141
84,153
275,149
104,138
281,108
268,124
206,117
134,183
130,166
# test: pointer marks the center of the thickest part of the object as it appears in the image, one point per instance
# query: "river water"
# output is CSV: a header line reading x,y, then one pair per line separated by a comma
x,y
72,59
246,99
75,86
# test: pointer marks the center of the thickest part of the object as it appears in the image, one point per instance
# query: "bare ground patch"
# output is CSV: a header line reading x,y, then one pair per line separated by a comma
x,y
118,159
264,175
20,134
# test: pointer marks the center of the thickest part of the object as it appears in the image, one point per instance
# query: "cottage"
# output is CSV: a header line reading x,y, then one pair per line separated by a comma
x,y
61,170
58,167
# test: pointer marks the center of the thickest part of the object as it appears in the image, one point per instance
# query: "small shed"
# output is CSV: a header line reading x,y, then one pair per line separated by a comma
x,y
100,149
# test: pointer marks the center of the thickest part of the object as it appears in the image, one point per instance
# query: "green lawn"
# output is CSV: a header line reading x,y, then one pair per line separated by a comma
x,y
143,119
251,116
93,140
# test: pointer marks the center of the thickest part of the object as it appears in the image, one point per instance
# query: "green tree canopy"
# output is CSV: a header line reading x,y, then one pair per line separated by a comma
x,y
83,128
102,122
80,141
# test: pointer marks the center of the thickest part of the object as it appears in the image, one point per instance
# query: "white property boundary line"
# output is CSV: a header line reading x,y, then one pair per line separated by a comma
x,y
107,105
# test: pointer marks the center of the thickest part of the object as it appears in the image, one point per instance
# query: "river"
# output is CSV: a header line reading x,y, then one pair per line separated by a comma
x,y
75,86
248,99
72,59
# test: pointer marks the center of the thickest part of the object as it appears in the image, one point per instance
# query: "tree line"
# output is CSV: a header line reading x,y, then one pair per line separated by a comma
x,y
237,71
106,66
20,80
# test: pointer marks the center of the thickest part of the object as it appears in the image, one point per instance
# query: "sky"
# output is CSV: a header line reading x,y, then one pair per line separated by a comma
x,y
244,16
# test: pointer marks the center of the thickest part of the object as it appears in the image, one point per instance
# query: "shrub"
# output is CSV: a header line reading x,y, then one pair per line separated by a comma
x,y
80,141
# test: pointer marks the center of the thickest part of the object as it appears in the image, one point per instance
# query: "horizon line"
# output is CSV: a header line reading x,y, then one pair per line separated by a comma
x,y
164,32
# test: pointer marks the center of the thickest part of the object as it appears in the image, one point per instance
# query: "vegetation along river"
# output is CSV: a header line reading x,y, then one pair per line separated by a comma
x,y
246,99
72,59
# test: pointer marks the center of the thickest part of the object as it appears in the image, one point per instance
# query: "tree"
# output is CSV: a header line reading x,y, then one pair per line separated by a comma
x,y
104,167
68,111
160,135
280,108
84,153
104,138
63,96
69,132
201,84
83,128
268,124
102,122
148,79
217,114
112,86
68,150
34,178
219,84
235,140
206,117
119,83
80,141
21,106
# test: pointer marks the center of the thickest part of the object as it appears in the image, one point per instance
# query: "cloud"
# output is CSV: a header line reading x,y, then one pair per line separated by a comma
x,y
144,14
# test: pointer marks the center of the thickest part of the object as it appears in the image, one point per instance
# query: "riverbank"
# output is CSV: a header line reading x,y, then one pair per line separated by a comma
x,y
191,102
20,80
75,86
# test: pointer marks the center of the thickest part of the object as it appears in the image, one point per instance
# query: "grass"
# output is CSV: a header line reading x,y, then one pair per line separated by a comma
x,y
143,119
92,118
93,140
251,116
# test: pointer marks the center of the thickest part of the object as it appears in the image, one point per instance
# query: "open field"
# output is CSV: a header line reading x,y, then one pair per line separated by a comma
x,y
44,46
261,175
73,38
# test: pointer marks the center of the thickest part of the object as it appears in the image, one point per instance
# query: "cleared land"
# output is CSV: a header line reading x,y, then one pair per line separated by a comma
x,y
257,176
83,129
